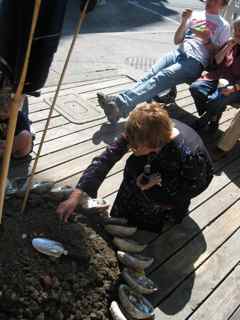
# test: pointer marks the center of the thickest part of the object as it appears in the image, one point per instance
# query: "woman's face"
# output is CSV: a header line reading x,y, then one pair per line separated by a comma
x,y
144,150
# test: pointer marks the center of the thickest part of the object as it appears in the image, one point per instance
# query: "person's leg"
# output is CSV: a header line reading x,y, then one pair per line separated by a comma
x,y
216,105
184,70
200,91
22,144
181,71
231,135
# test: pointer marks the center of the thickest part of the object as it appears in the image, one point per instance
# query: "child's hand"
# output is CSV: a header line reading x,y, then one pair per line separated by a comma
x,y
186,14
154,180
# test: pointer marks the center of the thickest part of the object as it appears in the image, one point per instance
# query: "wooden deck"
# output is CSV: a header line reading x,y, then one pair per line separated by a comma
x,y
196,263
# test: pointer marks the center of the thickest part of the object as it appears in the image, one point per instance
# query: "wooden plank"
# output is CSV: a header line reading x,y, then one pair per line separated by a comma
x,y
67,129
42,115
178,236
188,278
223,301
72,167
54,123
93,134
52,89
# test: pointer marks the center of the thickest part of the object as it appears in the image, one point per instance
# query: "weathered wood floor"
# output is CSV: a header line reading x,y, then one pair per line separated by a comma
x,y
196,263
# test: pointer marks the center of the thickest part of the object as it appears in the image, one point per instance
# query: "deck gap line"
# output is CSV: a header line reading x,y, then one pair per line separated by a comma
x,y
193,271
60,125
213,290
194,236
234,312
57,115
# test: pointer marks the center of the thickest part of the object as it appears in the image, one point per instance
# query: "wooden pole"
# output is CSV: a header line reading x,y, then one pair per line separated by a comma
x,y
77,30
15,102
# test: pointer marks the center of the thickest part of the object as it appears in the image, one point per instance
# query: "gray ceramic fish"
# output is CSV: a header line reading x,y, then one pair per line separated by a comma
x,y
42,186
134,304
120,231
115,221
139,282
134,261
49,247
128,245
60,193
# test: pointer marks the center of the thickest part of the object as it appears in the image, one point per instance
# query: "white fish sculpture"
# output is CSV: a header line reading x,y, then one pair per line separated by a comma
x,y
134,304
49,247
116,312
60,193
42,187
120,231
136,261
139,282
128,245
91,203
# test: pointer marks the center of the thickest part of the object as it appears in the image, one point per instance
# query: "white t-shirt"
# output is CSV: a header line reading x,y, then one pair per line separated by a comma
x,y
219,33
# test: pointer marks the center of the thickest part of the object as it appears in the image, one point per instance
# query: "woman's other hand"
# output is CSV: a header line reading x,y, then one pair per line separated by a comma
x,y
154,180
67,208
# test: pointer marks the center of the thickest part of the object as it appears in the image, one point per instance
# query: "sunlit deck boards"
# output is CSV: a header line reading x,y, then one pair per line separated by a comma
x,y
196,263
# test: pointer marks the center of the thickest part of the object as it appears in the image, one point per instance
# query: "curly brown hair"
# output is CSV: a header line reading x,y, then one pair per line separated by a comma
x,y
149,125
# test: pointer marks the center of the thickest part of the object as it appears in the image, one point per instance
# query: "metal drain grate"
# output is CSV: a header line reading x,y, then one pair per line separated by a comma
x,y
142,63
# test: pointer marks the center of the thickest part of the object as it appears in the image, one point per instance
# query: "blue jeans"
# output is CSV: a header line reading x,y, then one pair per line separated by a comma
x,y
208,98
172,69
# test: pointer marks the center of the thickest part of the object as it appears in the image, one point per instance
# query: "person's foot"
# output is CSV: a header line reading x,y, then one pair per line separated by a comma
x,y
170,97
109,106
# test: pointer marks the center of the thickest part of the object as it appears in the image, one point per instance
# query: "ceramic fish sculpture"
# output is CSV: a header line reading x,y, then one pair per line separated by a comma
x,y
134,304
139,282
60,193
128,245
120,231
134,261
49,247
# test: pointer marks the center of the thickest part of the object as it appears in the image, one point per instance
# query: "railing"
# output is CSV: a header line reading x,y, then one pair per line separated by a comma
x,y
232,11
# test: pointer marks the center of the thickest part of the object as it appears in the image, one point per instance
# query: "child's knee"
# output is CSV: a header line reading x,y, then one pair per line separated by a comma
x,y
23,143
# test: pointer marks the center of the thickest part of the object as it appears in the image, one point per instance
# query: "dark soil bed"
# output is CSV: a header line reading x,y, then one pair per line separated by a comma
x,y
35,286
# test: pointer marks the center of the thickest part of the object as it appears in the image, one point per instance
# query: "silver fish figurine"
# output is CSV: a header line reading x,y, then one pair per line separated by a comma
x,y
49,247
115,221
134,304
134,261
120,231
139,282
60,193
42,186
128,245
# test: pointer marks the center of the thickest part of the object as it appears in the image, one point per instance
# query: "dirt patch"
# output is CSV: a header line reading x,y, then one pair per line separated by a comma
x,y
35,286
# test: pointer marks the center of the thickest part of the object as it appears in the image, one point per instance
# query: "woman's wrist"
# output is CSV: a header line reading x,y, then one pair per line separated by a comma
x,y
76,194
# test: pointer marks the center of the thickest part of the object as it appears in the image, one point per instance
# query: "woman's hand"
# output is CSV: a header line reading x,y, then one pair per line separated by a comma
x,y
228,90
154,180
67,208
